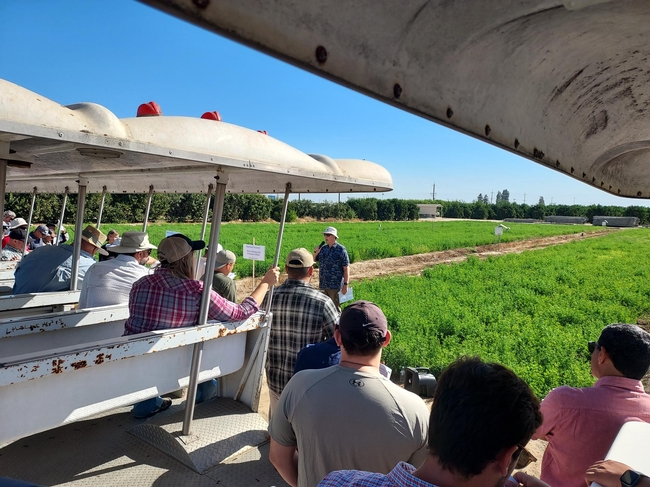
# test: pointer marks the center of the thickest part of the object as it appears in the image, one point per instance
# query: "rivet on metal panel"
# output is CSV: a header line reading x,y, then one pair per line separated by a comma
x,y
60,134
516,143
450,113
170,153
201,3
321,54
397,90
639,193
487,130
610,187
120,144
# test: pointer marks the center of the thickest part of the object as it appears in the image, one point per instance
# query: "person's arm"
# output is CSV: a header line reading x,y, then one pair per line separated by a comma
x,y
269,280
346,279
285,461
608,474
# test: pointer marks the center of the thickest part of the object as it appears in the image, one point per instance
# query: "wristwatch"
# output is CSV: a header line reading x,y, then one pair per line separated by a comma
x,y
345,283
630,478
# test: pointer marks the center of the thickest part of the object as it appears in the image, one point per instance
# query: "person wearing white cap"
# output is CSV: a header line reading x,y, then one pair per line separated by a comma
x,y
49,268
109,282
333,266
221,283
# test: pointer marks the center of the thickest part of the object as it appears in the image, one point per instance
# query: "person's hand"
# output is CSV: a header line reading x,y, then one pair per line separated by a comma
x,y
316,251
606,472
525,480
344,289
272,276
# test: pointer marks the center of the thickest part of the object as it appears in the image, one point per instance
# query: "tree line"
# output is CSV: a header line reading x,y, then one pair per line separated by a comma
x,y
129,208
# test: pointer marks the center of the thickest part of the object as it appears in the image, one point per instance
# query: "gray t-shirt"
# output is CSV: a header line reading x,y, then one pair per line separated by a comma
x,y
343,419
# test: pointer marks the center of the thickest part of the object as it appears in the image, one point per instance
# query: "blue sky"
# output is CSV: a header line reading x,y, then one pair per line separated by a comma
x,y
121,53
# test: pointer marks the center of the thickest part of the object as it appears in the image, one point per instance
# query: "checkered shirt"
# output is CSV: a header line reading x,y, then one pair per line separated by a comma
x,y
331,261
10,253
400,476
162,301
301,315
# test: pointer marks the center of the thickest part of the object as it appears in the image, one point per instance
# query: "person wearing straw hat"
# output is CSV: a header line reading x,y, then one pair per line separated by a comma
x,y
109,282
171,298
49,268
333,266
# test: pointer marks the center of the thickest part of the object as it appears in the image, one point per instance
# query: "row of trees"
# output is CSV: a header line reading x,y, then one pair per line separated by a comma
x,y
129,208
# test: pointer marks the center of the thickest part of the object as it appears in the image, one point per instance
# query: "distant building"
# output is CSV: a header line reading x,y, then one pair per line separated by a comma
x,y
429,211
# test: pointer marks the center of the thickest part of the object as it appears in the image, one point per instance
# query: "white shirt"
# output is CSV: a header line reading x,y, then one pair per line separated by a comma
x,y
109,282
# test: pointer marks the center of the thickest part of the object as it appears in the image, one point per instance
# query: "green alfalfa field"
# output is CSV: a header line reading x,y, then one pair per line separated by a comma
x,y
533,312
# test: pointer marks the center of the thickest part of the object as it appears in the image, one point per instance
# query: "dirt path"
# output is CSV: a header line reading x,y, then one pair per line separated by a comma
x,y
415,264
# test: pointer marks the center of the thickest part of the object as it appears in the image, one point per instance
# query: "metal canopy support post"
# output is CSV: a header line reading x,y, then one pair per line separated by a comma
x,y
101,208
205,225
278,245
65,202
29,220
217,210
146,213
76,255
3,182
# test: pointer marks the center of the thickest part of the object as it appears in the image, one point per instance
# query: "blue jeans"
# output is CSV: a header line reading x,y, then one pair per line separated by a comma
x,y
204,392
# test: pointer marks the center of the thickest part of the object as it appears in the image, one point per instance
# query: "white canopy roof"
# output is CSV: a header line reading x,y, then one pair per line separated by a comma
x,y
559,82
50,147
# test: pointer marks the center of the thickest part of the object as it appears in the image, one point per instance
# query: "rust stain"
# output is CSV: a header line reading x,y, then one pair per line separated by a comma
x,y
35,368
109,356
99,359
79,365
56,366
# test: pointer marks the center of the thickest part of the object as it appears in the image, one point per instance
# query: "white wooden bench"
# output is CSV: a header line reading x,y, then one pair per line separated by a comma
x,y
21,305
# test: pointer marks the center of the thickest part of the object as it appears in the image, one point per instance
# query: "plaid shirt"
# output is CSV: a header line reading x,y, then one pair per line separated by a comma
x,y
400,476
331,261
301,315
162,301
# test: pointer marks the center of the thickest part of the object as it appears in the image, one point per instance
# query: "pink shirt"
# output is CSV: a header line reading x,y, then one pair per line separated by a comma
x,y
581,424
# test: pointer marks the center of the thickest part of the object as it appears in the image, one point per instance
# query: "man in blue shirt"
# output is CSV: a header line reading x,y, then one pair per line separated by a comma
x,y
49,268
333,266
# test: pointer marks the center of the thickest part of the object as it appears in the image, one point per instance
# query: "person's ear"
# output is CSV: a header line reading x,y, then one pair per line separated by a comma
x,y
337,336
504,461
603,356
311,271
388,338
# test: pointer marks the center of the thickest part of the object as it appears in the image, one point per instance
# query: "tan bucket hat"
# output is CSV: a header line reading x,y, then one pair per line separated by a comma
x,y
133,242
93,236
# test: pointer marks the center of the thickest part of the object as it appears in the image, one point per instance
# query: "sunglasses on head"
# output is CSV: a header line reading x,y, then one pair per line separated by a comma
x,y
591,346
524,458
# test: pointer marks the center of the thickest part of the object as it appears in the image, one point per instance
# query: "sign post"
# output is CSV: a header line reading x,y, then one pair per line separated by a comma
x,y
254,252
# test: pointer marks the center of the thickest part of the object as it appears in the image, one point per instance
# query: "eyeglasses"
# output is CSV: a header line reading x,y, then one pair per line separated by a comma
x,y
327,234
524,458
591,346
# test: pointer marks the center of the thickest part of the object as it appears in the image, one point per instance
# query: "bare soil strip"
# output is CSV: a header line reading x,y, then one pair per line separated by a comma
x,y
415,264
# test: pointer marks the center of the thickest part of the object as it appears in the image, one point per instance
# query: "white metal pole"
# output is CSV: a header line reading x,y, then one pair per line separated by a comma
x,y
29,220
76,255
278,245
3,184
215,228
205,225
65,202
146,213
101,208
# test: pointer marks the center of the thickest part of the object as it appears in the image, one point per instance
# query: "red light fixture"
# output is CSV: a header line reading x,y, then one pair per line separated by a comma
x,y
151,109
214,115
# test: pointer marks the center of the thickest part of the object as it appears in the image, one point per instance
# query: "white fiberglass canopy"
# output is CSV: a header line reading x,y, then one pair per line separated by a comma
x,y
51,147
559,82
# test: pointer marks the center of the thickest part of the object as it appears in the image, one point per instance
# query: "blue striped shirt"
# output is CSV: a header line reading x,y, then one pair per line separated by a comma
x,y
400,476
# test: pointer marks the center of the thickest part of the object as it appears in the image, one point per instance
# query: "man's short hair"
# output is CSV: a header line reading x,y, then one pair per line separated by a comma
x,y
628,347
479,409
297,272
18,234
363,327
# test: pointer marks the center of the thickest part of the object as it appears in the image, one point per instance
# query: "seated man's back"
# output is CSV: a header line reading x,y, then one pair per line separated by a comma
x,y
580,424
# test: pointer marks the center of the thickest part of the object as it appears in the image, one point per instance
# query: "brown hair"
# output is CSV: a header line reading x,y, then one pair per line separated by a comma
x,y
183,268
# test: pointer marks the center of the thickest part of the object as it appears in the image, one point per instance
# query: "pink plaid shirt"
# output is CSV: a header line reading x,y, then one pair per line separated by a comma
x,y
160,301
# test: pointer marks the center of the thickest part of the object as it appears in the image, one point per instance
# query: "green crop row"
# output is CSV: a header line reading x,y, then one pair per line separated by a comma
x,y
363,240
533,312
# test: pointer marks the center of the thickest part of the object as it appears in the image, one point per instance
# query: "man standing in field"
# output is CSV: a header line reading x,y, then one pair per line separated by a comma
x,y
348,415
333,267
481,418
581,424
301,315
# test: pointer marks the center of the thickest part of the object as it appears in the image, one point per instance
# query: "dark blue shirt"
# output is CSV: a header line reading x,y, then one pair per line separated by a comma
x,y
331,261
318,356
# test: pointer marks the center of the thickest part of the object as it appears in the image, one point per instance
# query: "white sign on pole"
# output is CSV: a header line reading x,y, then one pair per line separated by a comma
x,y
498,231
254,252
